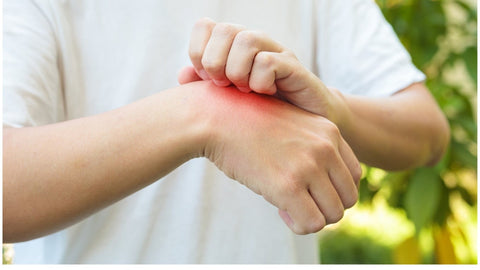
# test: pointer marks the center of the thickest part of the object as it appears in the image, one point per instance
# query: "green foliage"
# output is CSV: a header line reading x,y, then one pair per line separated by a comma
x,y
418,24
7,254
426,30
441,38
423,197
347,248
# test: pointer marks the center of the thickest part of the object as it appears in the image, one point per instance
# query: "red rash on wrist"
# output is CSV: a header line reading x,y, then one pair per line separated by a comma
x,y
248,103
227,109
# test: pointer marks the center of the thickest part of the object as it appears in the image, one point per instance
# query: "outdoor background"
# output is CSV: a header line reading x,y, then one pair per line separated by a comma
x,y
428,215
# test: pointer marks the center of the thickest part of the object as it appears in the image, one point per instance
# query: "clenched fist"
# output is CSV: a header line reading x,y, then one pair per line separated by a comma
x,y
250,60
296,160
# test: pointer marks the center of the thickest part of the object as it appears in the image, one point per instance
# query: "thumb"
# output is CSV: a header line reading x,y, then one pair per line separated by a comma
x,y
187,74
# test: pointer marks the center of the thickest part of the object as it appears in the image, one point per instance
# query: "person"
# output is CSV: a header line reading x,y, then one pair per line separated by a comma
x,y
103,149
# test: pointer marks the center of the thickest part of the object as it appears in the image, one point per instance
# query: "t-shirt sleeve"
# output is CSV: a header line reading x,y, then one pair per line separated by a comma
x,y
32,92
358,51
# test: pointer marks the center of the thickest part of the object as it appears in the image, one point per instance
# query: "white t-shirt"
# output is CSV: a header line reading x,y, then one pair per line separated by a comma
x,y
68,59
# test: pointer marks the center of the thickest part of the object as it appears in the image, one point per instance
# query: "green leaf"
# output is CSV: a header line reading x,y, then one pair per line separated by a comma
x,y
471,11
397,182
461,155
443,209
366,191
470,59
443,164
467,124
423,197
466,196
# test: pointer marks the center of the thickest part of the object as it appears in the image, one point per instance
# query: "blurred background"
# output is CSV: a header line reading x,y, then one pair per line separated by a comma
x,y
427,215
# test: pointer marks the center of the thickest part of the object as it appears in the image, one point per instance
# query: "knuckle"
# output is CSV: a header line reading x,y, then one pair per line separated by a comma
x,y
225,29
247,38
335,90
265,59
332,129
313,226
317,225
357,172
309,167
203,23
292,185
235,75
290,53
326,148
212,65
335,216
351,200
299,230
195,55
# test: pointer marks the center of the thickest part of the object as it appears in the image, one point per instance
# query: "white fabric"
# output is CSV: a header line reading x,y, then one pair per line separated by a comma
x,y
68,59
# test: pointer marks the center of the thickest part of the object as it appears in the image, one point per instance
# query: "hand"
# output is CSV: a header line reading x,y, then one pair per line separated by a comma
x,y
296,160
230,54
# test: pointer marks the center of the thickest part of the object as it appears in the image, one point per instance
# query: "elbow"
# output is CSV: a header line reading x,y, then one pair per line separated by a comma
x,y
15,227
10,230
430,145
9,236
440,139
16,230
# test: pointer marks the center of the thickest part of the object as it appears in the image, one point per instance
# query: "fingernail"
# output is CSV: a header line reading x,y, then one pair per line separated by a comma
x,y
203,74
221,83
286,217
244,89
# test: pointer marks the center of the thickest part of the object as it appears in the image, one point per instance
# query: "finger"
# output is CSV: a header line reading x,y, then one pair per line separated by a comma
x,y
246,45
216,51
267,68
198,41
286,217
305,217
351,161
343,181
327,199
187,75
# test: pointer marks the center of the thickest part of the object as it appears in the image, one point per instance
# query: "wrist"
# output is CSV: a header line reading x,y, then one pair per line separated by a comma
x,y
196,118
342,115
181,113
209,115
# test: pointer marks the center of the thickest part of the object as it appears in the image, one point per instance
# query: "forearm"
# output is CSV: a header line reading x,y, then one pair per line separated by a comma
x,y
55,175
399,132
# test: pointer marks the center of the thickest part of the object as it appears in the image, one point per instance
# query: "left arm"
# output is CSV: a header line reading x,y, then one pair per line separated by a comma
x,y
402,131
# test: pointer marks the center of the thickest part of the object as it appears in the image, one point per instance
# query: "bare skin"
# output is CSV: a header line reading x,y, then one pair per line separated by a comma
x,y
57,174
398,132
295,158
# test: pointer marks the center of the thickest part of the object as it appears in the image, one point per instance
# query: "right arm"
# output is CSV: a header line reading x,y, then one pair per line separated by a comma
x,y
55,175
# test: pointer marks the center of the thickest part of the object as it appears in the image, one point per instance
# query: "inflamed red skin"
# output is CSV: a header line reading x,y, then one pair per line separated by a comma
x,y
296,160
